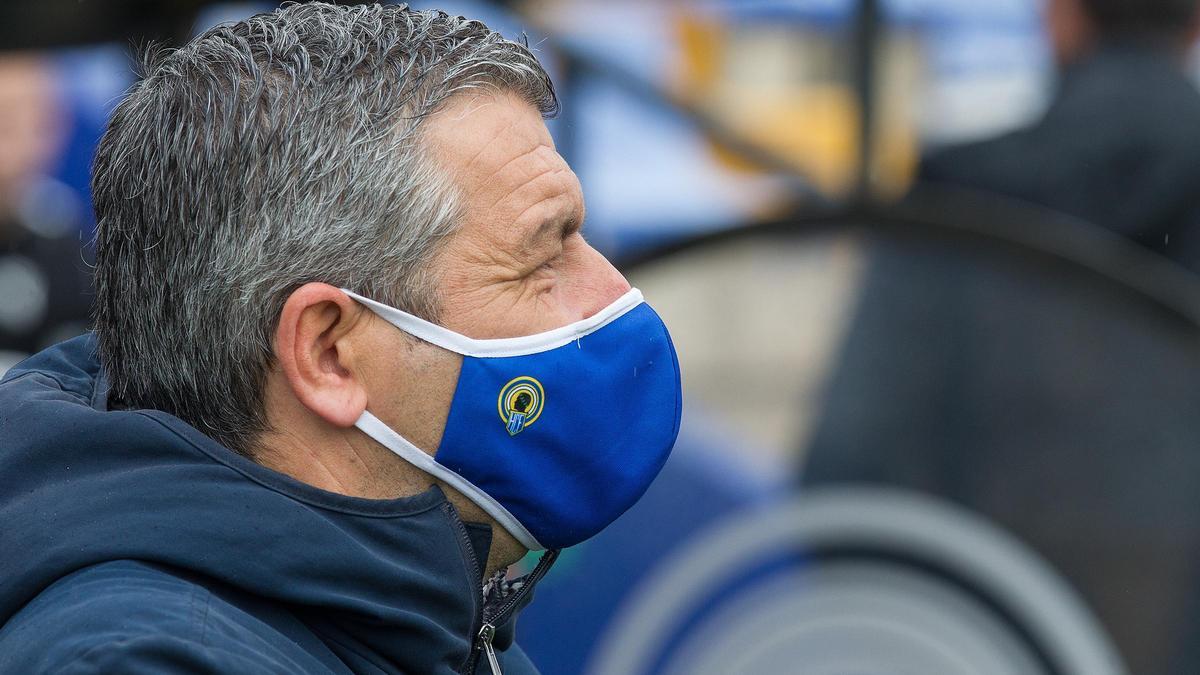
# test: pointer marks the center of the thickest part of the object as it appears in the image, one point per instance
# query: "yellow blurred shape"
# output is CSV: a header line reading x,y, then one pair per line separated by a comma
x,y
786,86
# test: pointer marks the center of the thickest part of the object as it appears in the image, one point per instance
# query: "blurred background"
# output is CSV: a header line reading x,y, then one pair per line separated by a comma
x,y
930,269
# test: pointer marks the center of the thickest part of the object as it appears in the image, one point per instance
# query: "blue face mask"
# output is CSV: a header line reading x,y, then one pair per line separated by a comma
x,y
553,435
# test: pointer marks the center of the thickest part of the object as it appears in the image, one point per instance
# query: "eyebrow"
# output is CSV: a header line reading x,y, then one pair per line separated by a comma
x,y
563,224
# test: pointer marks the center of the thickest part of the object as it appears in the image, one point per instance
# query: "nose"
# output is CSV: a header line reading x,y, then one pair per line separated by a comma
x,y
598,283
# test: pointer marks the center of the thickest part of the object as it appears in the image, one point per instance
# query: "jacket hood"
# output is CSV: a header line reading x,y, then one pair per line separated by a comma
x,y
82,485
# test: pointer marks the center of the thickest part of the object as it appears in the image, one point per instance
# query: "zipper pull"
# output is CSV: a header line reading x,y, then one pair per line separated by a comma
x,y
486,633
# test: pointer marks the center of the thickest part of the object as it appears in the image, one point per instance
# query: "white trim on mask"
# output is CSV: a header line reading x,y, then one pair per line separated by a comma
x,y
373,427
518,346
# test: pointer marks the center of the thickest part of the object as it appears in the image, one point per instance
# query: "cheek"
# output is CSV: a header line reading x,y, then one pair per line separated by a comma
x,y
411,391
577,284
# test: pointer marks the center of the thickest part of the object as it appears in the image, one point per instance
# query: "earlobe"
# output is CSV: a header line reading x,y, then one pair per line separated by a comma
x,y
314,346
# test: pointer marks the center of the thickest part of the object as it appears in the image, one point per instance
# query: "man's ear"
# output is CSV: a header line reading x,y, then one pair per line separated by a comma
x,y
314,346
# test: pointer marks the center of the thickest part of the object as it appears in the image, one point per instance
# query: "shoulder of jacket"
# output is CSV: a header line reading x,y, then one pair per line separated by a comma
x,y
134,617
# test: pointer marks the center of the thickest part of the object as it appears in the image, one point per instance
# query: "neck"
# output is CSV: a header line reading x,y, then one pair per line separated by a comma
x,y
348,462
505,549
360,467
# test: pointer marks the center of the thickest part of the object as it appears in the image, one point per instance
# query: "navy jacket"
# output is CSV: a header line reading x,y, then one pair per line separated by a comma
x,y
130,542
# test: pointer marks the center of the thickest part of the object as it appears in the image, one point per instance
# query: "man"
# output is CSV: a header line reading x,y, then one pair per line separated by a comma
x,y
354,359
1120,144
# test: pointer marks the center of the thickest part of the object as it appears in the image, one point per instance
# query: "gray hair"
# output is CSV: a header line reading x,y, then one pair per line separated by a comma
x,y
261,156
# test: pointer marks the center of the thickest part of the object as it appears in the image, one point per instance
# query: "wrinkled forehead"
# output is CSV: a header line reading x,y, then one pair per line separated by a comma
x,y
482,138
501,157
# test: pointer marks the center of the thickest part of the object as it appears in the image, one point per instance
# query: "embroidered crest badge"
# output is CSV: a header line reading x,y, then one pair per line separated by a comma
x,y
520,403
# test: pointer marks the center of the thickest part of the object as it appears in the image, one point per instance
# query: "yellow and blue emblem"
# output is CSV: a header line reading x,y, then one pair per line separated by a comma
x,y
520,403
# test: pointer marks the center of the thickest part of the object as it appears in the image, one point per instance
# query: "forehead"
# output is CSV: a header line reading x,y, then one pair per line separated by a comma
x,y
476,134
498,151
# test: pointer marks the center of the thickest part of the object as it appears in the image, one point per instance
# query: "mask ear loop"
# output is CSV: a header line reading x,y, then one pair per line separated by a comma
x,y
518,346
385,436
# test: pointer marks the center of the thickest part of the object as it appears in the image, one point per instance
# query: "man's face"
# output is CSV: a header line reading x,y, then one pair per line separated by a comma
x,y
518,264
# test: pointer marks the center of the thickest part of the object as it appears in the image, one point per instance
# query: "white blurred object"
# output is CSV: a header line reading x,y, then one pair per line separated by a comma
x,y
24,294
750,363
879,581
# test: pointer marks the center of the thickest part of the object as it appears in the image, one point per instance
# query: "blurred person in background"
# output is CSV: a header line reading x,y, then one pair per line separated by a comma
x,y
44,279
981,383
251,468
1119,145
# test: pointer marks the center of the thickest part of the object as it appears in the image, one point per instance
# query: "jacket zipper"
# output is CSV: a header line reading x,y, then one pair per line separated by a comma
x,y
488,620
486,633
502,612
476,571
